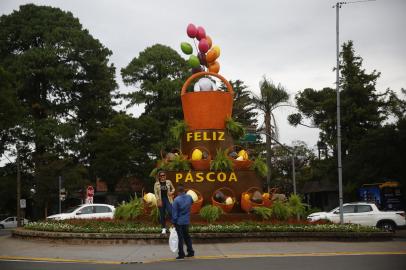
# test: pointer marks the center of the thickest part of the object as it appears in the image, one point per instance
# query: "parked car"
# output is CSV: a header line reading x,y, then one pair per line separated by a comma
x,y
86,211
363,213
11,222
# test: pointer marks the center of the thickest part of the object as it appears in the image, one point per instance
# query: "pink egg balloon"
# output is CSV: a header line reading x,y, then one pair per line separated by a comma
x,y
201,33
203,45
191,30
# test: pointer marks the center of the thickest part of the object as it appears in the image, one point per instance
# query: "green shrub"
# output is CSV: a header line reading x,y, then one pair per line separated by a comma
x,y
280,210
260,166
221,162
130,210
178,163
235,128
264,213
154,215
210,213
296,207
178,129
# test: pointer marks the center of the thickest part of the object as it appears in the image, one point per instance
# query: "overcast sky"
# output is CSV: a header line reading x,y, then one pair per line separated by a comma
x,y
291,42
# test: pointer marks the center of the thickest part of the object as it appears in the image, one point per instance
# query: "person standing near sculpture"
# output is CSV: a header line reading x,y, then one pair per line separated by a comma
x,y
181,220
164,192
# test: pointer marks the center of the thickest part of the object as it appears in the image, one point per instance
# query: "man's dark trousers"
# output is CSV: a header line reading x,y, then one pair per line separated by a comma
x,y
183,236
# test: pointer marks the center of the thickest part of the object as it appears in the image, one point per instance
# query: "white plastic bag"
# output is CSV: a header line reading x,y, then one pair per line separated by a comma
x,y
173,240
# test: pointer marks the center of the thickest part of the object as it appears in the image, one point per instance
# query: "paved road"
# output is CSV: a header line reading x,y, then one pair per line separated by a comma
x,y
340,262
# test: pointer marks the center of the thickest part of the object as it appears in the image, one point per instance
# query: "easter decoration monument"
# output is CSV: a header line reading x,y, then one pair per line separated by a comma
x,y
217,171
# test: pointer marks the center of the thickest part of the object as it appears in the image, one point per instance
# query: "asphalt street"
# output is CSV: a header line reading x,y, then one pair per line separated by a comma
x,y
359,262
4,232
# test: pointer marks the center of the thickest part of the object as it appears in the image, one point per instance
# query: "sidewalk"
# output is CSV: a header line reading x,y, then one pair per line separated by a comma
x,y
36,250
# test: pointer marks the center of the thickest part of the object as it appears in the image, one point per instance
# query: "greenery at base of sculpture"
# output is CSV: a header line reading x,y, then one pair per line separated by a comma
x,y
130,210
178,163
296,207
210,213
221,162
236,129
154,215
264,213
280,210
260,167
178,129
121,226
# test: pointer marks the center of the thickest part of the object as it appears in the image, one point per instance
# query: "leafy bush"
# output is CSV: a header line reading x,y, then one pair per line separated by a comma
x,y
210,213
154,215
221,162
260,166
178,129
179,163
264,213
235,128
297,208
280,210
120,226
130,210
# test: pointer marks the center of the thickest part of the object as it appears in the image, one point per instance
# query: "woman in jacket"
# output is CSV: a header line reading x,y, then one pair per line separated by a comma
x,y
164,192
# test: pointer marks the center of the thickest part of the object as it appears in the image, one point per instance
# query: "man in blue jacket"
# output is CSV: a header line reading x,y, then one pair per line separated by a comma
x,y
181,219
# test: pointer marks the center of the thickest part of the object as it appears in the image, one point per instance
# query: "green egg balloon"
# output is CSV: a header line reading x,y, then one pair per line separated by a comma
x,y
194,61
186,48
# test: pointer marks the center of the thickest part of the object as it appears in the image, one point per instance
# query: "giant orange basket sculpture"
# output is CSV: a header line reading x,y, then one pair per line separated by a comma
x,y
200,107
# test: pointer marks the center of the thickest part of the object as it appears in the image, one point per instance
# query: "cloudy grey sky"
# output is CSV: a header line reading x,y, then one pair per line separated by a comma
x,y
291,42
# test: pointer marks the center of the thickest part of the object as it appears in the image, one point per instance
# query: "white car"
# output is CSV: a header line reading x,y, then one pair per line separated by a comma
x,y
86,211
11,222
363,213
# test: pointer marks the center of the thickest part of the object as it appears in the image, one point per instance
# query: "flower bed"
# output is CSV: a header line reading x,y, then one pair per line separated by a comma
x,y
102,226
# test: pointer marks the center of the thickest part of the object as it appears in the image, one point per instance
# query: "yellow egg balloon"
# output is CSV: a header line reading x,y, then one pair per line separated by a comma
x,y
246,196
217,50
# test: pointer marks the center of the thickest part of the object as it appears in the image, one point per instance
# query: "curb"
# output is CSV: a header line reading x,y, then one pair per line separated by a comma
x,y
122,238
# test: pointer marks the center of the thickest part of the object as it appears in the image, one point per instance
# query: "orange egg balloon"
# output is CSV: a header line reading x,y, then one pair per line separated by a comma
x,y
211,56
214,67
209,41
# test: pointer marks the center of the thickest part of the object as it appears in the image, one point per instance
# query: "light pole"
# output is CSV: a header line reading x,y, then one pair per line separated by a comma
x,y
337,6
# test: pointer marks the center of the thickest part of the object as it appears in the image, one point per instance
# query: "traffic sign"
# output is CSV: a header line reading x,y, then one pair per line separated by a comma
x,y
23,203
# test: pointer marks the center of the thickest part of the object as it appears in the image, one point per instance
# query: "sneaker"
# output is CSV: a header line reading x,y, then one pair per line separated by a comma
x,y
180,257
163,231
190,255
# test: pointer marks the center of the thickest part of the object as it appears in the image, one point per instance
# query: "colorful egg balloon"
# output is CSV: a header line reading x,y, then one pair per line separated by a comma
x,y
217,50
214,67
186,48
197,70
194,61
211,56
203,45
191,30
209,41
201,33
202,58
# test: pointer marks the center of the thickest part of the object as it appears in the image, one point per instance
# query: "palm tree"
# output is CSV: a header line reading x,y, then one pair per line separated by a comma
x,y
271,97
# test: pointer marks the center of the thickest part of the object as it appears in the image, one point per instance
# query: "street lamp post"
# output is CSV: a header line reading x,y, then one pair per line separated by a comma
x,y
337,6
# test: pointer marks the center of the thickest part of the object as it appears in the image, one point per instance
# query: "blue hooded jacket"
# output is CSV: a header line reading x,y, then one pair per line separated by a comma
x,y
181,209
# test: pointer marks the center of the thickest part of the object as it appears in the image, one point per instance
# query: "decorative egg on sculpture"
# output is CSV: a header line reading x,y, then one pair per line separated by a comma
x,y
204,84
193,195
150,198
197,154
229,201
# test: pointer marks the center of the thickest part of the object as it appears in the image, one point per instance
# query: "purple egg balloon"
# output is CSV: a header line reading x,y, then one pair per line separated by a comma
x,y
202,58
201,33
196,70
191,30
